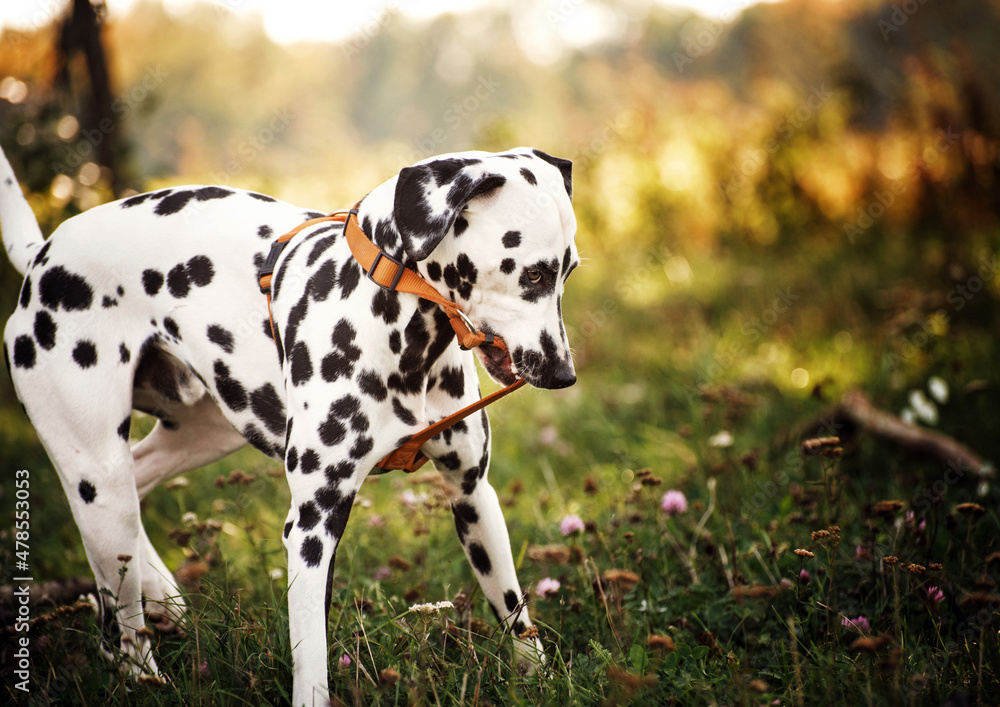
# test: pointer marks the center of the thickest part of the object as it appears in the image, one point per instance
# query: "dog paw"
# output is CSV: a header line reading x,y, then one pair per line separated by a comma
x,y
152,680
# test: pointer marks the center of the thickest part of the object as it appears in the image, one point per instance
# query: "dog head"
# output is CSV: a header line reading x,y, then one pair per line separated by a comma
x,y
495,233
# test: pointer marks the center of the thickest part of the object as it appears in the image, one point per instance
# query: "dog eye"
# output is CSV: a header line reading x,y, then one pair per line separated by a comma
x,y
535,276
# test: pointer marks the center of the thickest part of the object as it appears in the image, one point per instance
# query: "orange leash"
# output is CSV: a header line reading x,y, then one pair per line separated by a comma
x,y
389,273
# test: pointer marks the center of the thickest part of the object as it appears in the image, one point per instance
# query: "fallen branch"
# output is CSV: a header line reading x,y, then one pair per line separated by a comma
x,y
857,410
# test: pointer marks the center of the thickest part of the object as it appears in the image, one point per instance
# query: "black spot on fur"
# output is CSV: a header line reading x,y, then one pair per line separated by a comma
x,y
510,600
511,239
107,302
395,342
529,176
171,326
480,559
312,551
450,461
385,304
152,281
341,361
507,266
261,197
124,354
469,480
345,407
460,226
136,200
321,245
323,280
178,281
400,411
87,491
453,381
124,427
371,385
221,337
178,200
336,521
258,440
434,270
301,364
24,352
60,288
566,261
335,365
336,474
268,408
232,392
288,528
328,497
265,232
451,278
200,270
173,203
308,515
359,423
41,258
465,515
26,293
85,354
350,276
310,461
292,459
45,330
362,446
332,431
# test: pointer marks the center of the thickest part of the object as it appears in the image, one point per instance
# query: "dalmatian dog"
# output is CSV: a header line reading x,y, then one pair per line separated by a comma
x,y
152,303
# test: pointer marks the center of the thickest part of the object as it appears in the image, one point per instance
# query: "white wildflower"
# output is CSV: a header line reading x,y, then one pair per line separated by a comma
x,y
924,408
938,389
722,439
431,608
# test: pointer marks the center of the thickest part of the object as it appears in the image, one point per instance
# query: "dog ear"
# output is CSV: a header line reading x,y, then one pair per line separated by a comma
x,y
564,166
422,216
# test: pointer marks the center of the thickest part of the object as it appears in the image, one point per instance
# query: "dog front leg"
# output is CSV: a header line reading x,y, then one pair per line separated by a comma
x,y
464,460
314,527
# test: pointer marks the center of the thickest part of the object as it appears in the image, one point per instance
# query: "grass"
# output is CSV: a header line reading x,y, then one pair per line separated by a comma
x,y
750,596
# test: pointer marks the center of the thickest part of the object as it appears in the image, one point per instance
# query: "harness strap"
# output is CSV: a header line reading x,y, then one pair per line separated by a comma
x,y
266,271
389,273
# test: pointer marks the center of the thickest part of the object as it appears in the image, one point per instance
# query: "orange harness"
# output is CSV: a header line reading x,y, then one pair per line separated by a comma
x,y
387,272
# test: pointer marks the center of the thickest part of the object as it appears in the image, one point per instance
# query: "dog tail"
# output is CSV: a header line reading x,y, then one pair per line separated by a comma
x,y
21,235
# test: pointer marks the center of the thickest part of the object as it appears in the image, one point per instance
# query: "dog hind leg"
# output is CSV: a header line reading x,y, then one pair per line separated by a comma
x,y
82,436
186,438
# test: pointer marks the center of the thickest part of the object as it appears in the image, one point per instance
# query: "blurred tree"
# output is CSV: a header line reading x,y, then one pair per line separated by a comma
x,y
81,33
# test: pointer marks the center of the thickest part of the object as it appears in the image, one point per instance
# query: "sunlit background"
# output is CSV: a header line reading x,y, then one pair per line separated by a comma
x,y
784,193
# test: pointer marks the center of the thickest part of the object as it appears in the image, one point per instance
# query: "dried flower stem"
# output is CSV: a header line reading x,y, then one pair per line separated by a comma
x,y
796,661
693,551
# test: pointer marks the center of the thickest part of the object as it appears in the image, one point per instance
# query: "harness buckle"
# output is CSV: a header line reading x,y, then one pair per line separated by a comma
x,y
395,280
268,267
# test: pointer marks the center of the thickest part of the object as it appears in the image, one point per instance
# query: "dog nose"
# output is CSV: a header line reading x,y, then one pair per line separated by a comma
x,y
563,377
